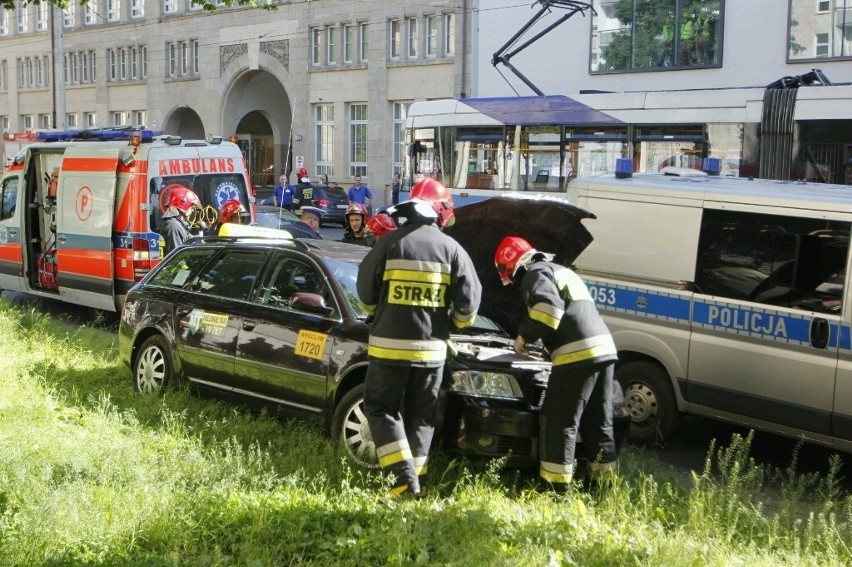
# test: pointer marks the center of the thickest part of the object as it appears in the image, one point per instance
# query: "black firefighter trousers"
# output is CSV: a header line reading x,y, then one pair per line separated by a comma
x,y
402,442
578,399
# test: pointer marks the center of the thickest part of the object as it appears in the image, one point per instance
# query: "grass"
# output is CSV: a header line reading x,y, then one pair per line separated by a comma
x,y
92,473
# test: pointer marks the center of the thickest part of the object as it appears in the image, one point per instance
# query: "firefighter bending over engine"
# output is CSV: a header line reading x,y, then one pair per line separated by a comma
x,y
419,283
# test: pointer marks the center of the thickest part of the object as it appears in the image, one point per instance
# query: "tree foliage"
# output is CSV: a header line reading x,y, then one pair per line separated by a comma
x,y
207,5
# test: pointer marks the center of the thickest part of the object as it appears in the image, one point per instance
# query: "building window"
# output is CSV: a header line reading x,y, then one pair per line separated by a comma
x,y
171,60
90,12
324,125
449,35
395,38
331,45
134,66
122,64
140,117
143,62
4,22
28,122
431,36
4,123
196,66
184,58
677,34
84,67
4,75
823,6
91,119
348,43
169,6
21,11
41,16
113,10
821,45
44,121
93,62
71,120
358,139
413,38
68,16
400,113
137,8
362,42
28,65
118,118
316,43
37,71
112,65
72,63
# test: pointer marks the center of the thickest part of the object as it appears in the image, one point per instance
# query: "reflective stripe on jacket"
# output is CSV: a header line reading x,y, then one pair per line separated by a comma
x,y
562,313
420,283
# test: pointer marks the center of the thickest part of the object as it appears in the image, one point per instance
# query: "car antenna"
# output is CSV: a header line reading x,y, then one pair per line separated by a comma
x,y
503,55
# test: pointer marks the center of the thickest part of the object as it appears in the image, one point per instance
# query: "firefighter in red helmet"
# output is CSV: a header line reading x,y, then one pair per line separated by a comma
x,y
356,226
380,224
232,211
562,313
418,283
179,203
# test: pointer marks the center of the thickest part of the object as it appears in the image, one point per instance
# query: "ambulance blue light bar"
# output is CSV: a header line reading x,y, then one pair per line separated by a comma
x,y
98,134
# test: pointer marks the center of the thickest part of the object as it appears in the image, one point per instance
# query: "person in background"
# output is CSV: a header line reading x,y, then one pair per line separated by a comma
x,y
418,282
176,229
395,187
323,180
312,217
360,194
562,313
282,194
304,191
356,227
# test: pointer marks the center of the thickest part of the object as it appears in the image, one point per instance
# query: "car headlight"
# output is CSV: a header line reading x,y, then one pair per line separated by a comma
x,y
486,384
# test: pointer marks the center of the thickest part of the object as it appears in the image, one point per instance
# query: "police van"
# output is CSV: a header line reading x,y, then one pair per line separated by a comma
x,y
727,298
80,212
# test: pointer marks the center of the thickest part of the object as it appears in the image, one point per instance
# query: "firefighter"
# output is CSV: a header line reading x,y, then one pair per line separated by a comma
x,y
380,225
562,313
176,228
356,227
418,283
233,212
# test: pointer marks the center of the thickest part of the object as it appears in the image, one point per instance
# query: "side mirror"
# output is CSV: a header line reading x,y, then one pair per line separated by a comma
x,y
311,302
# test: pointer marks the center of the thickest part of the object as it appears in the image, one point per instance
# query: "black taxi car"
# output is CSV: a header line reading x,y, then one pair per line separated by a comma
x,y
279,322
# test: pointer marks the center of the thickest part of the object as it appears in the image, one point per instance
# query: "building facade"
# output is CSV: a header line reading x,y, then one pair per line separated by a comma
x,y
324,84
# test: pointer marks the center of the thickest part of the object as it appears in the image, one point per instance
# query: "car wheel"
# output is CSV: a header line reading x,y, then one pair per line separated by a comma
x,y
650,401
153,369
350,430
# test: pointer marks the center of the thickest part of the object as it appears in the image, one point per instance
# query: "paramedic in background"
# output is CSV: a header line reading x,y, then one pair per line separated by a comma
x,y
180,202
360,194
418,283
562,313
282,194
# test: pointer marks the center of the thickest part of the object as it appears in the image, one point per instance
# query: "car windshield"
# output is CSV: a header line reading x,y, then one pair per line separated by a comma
x,y
346,275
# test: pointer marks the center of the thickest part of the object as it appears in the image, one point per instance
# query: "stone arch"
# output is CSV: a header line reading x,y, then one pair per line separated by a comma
x,y
184,122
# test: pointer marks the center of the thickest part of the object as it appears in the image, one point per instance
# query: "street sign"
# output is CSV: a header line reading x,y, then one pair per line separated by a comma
x,y
300,161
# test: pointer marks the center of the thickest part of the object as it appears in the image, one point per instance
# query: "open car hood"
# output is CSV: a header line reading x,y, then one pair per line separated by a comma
x,y
550,224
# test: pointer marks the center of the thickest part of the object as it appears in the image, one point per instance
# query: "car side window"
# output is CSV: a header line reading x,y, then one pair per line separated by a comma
x,y
288,276
773,259
231,275
182,267
10,198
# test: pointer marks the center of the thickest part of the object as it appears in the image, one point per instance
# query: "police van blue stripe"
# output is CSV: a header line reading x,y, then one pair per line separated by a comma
x,y
728,317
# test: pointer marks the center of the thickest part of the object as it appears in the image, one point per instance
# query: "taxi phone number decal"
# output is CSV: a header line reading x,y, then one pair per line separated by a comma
x,y
310,344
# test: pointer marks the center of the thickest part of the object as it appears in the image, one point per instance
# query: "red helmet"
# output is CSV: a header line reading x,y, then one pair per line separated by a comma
x,y
233,211
432,191
180,197
513,252
357,209
301,172
381,224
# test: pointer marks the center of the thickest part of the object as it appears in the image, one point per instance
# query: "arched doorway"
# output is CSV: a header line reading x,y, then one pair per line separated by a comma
x,y
186,123
262,118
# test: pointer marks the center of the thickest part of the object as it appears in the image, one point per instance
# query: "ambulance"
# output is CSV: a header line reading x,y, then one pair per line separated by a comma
x,y
727,298
80,218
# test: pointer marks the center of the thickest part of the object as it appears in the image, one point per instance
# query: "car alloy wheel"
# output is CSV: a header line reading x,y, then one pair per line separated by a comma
x,y
152,369
350,430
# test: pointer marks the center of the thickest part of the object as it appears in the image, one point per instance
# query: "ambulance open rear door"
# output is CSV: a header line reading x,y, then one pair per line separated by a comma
x,y
84,226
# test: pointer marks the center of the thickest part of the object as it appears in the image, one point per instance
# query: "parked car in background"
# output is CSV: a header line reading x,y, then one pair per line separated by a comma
x,y
278,322
270,216
338,202
320,200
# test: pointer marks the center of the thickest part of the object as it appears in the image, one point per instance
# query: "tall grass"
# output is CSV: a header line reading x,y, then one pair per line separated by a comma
x,y
92,473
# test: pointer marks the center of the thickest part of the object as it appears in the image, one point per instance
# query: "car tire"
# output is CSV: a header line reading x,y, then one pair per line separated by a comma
x,y
650,400
153,368
350,431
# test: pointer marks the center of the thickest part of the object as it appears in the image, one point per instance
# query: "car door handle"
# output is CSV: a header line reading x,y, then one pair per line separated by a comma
x,y
249,325
820,330
13,232
62,238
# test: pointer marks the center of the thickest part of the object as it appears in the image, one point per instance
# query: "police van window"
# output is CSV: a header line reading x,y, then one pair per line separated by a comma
x,y
182,268
231,274
10,198
772,259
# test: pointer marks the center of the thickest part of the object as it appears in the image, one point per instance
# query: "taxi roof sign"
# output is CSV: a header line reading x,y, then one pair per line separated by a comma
x,y
233,229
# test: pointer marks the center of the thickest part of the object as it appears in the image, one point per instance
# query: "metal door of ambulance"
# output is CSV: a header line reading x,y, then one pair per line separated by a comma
x,y
766,323
84,219
11,258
